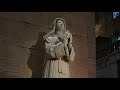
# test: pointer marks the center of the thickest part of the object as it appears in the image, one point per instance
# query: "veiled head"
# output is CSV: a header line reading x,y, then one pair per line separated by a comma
x,y
59,24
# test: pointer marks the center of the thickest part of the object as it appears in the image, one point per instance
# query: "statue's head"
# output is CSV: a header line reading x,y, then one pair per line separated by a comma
x,y
59,24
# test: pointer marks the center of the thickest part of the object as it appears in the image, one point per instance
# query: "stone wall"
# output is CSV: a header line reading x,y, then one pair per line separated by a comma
x,y
22,45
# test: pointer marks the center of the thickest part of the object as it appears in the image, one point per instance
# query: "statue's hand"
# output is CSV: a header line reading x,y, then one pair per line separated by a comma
x,y
61,40
69,45
64,40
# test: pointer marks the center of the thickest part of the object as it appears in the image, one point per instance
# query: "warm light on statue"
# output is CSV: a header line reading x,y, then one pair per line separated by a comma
x,y
59,51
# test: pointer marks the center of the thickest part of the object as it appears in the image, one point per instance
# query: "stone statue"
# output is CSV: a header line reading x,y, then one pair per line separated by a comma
x,y
59,51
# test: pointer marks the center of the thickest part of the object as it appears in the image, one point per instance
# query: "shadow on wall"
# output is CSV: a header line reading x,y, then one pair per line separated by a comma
x,y
36,58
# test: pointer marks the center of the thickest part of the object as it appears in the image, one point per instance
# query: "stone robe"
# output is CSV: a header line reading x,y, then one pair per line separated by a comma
x,y
56,60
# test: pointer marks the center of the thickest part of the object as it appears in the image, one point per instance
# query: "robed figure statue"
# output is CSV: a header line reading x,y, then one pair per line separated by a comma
x,y
59,51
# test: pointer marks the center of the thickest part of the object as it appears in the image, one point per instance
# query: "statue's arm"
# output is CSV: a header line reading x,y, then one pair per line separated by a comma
x,y
59,50
54,51
49,49
71,56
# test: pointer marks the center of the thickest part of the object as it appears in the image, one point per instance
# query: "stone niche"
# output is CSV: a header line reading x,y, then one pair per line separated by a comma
x,y
22,45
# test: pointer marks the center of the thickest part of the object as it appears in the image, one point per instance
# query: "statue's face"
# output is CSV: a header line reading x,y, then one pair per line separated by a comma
x,y
60,25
